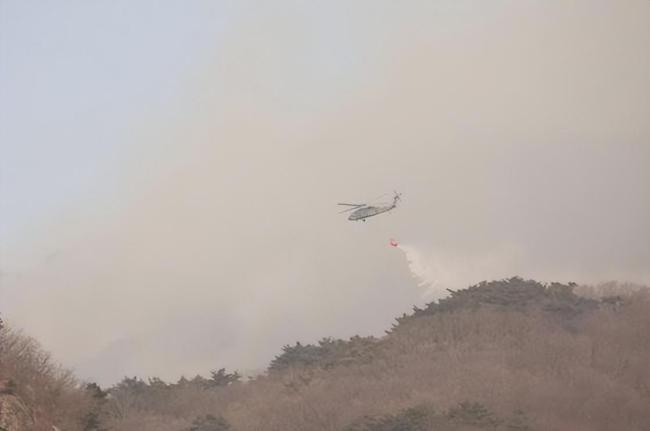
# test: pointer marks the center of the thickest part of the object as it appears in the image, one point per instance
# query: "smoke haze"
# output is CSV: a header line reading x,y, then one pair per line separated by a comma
x,y
517,131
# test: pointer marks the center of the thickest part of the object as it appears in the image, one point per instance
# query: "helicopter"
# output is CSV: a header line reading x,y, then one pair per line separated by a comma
x,y
363,211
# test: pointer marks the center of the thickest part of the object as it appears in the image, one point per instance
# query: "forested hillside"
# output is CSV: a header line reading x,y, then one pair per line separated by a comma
x,y
503,355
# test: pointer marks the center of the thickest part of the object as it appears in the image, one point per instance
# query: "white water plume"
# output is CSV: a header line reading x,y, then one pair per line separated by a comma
x,y
436,271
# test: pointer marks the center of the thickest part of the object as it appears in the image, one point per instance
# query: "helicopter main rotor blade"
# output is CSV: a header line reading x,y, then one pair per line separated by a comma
x,y
352,205
351,209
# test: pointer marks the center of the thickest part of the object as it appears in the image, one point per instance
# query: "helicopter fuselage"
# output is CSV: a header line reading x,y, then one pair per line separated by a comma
x,y
365,212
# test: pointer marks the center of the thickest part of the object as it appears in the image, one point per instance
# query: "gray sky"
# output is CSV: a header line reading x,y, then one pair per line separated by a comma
x,y
169,171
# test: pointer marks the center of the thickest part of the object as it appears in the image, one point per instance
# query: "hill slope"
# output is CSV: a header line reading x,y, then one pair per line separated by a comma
x,y
503,355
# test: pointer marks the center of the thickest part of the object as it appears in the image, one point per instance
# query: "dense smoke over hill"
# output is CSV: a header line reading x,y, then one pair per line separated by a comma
x,y
173,175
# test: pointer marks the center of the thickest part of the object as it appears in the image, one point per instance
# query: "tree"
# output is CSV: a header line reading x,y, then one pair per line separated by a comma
x,y
92,420
221,378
